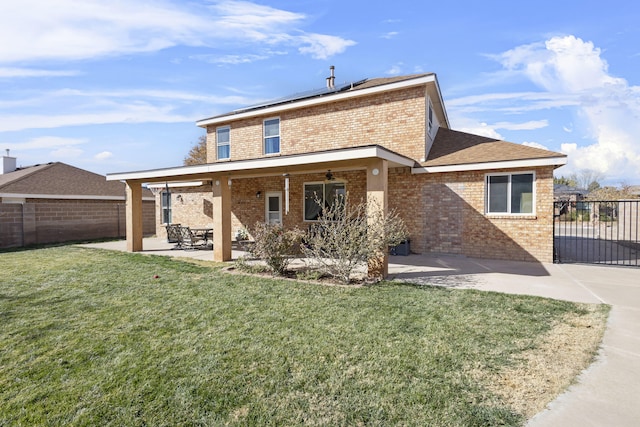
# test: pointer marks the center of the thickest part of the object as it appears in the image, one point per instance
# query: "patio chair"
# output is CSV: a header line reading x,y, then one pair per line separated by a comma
x,y
191,240
173,234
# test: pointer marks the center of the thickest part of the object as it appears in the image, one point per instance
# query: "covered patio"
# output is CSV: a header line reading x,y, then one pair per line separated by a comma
x,y
374,160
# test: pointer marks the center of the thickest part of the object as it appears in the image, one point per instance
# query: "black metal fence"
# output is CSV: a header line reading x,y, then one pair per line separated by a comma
x,y
597,232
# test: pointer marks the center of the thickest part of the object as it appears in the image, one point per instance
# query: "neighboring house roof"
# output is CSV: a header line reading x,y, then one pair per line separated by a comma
x,y
59,180
454,148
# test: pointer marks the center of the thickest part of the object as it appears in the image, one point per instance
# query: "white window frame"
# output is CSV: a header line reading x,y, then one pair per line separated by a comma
x,y
277,194
509,194
323,183
218,144
264,136
429,116
165,196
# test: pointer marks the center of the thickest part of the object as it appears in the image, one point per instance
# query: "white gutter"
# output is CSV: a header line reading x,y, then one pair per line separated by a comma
x,y
356,153
509,164
320,100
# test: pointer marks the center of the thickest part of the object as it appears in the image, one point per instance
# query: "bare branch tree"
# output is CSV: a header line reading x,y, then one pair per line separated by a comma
x,y
198,153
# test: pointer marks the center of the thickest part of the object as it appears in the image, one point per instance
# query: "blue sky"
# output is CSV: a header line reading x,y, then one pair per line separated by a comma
x,y
112,86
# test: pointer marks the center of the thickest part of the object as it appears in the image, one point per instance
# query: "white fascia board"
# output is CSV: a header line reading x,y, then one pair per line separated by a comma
x,y
511,164
67,197
318,100
355,153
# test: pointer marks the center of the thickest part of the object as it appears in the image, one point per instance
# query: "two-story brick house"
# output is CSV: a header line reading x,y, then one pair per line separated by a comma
x,y
387,140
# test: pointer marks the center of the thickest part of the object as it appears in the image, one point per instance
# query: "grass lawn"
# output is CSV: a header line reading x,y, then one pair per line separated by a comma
x,y
90,337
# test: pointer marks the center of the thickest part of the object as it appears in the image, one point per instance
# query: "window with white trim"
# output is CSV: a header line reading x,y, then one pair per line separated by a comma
x,y
272,136
319,194
430,118
510,193
223,142
166,207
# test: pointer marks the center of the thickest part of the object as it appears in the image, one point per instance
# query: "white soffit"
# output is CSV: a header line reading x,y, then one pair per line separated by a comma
x,y
317,100
356,153
511,164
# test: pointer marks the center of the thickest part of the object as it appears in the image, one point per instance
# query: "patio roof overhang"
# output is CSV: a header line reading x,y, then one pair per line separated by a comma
x,y
341,159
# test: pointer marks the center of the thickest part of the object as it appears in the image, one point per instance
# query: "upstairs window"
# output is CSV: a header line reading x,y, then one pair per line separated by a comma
x,y
327,194
430,117
272,136
222,142
510,193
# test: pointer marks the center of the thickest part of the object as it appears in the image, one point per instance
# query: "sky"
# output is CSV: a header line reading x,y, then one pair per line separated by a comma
x,y
117,86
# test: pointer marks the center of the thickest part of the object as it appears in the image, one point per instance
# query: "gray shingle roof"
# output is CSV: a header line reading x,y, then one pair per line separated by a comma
x,y
452,147
60,179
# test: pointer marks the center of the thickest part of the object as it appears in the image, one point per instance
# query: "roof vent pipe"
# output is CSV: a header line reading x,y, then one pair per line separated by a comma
x,y
331,81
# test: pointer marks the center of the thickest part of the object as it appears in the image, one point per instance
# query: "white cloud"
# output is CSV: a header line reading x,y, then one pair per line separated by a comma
x,y
389,35
530,125
45,142
395,70
230,59
609,105
535,145
478,128
561,64
103,155
130,113
573,78
81,29
72,107
31,72
65,153
322,46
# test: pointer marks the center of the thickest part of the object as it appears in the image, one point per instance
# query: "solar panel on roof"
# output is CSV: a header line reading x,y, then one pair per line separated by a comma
x,y
301,95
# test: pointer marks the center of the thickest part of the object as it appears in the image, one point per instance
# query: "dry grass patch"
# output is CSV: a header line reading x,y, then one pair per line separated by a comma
x,y
539,375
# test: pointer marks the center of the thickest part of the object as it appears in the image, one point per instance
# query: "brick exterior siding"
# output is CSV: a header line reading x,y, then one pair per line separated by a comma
x,y
445,212
41,221
395,120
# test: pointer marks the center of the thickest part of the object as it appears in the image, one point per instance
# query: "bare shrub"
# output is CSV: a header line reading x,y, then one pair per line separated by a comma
x,y
350,235
274,245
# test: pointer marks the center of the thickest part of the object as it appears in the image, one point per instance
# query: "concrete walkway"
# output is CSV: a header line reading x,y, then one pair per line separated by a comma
x,y
608,392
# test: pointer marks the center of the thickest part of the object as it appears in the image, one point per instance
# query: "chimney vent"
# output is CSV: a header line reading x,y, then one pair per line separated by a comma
x,y
331,81
7,164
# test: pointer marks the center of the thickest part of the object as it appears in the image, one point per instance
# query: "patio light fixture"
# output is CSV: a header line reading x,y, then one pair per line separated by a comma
x,y
329,175
258,194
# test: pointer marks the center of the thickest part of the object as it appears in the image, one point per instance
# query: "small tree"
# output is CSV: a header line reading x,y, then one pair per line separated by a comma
x,y
198,153
274,245
347,236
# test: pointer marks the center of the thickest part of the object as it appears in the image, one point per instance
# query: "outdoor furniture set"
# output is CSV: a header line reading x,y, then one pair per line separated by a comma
x,y
186,237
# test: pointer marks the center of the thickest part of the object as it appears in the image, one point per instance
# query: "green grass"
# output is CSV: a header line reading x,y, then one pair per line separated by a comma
x,y
90,337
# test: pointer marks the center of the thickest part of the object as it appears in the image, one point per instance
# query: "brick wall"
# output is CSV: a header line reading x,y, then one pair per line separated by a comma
x,y
41,221
444,212
190,206
455,221
395,120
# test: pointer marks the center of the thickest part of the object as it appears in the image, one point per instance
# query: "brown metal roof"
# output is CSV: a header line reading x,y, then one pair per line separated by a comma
x,y
62,180
452,147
